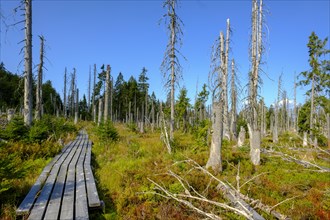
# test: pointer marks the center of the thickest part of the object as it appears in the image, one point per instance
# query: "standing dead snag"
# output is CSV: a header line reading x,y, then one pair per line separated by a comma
x,y
215,159
76,107
171,60
226,132
39,81
217,84
28,64
256,52
233,111
107,94
64,95
93,102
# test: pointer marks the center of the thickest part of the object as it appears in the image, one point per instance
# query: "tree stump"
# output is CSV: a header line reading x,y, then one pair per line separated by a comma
x,y
241,137
10,114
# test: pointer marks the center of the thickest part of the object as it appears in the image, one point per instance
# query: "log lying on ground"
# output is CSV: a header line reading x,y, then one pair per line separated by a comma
x,y
293,159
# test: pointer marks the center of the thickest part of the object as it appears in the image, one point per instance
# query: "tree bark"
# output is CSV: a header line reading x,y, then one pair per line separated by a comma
x,y
305,139
106,95
89,89
39,81
94,104
256,52
99,121
241,137
77,107
226,131
295,118
172,75
215,161
28,64
233,118
64,95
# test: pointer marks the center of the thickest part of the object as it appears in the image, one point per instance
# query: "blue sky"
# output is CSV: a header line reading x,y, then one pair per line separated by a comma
x,y
128,36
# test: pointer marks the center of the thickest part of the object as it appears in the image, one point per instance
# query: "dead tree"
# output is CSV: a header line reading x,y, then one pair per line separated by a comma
x,y
233,111
216,84
107,93
89,89
94,104
256,52
276,112
295,116
99,120
171,59
64,95
226,131
28,64
73,88
39,81
76,107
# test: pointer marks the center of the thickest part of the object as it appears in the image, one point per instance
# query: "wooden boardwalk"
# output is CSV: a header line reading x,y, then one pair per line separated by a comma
x,y
66,187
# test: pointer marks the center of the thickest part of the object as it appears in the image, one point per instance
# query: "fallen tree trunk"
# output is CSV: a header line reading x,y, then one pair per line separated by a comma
x,y
293,159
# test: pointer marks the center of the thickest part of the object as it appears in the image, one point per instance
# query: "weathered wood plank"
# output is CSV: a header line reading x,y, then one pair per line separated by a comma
x,y
54,204
28,201
67,207
40,205
93,197
81,196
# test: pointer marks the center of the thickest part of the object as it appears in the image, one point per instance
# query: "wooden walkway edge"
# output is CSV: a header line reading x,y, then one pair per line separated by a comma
x,y
66,187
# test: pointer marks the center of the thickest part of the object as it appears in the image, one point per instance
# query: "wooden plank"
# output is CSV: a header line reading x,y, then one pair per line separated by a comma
x,y
67,207
81,195
28,201
39,207
93,197
54,204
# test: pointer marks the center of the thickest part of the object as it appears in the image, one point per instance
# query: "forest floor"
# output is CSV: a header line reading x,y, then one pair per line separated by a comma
x,y
128,171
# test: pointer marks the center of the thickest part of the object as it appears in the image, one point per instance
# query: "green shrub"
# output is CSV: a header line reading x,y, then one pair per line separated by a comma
x,y
40,130
132,127
15,130
201,133
50,126
107,132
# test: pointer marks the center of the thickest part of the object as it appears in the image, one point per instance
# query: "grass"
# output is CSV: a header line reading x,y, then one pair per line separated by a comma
x,y
122,170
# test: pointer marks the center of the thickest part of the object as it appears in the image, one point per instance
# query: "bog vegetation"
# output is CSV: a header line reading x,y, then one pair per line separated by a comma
x,y
177,158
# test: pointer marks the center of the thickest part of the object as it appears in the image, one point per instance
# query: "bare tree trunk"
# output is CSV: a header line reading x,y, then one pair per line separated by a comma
x,y
241,137
311,123
99,121
152,116
233,118
295,116
77,107
73,88
111,99
226,131
305,139
172,83
39,82
146,109
254,76
10,114
28,64
64,95
94,105
215,160
89,89
106,95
